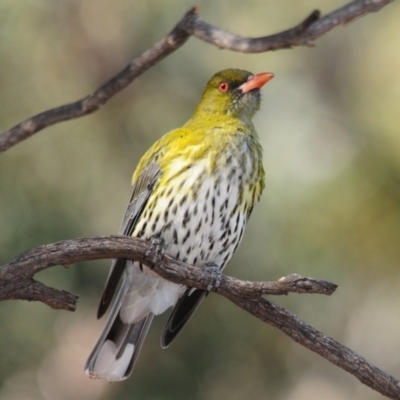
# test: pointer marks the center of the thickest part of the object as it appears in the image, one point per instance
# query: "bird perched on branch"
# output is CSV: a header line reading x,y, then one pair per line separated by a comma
x,y
194,190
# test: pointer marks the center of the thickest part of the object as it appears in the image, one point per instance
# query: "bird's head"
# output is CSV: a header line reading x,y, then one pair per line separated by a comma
x,y
234,92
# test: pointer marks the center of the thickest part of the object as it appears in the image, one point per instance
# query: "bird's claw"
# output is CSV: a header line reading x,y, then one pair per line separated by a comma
x,y
156,251
214,272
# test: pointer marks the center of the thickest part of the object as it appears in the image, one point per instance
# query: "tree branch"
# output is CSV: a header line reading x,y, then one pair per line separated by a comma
x,y
16,279
190,25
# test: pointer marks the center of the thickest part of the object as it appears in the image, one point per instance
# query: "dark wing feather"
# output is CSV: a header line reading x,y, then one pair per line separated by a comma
x,y
142,190
181,314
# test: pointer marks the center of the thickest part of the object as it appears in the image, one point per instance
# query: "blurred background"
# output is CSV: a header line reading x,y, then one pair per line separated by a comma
x,y
330,128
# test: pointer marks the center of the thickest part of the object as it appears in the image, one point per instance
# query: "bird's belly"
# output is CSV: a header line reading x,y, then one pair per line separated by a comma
x,y
206,237
201,224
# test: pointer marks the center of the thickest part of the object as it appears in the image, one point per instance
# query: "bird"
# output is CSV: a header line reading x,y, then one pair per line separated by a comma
x,y
194,191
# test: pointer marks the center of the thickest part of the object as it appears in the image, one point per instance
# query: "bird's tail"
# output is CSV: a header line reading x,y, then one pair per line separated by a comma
x,y
181,314
117,349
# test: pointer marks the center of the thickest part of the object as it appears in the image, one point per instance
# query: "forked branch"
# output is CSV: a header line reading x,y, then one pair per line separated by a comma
x,y
190,25
16,282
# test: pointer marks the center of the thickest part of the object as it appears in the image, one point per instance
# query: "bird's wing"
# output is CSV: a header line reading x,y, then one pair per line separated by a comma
x,y
181,314
142,190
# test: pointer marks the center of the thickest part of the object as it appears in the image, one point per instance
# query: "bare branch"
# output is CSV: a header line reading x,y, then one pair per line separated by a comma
x,y
190,25
245,294
16,277
31,290
301,35
326,347
344,15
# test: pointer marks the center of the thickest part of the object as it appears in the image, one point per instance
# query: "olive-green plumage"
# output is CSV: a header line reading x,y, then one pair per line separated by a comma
x,y
194,189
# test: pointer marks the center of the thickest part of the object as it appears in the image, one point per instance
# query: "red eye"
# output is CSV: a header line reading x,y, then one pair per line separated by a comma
x,y
223,87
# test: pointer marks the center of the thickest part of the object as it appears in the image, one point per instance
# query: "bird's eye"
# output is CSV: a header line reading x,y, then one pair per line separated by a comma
x,y
223,87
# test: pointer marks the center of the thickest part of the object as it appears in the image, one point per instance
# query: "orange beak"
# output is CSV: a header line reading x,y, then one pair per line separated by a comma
x,y
256,81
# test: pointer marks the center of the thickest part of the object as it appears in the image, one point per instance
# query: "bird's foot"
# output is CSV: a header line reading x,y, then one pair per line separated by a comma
x,y
156,252
214,271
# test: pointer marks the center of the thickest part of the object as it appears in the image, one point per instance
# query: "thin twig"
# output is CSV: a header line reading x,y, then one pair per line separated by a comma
x,y
190,25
